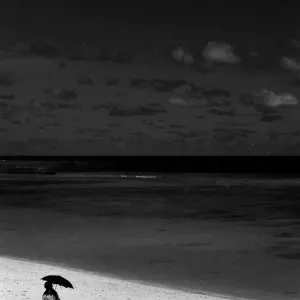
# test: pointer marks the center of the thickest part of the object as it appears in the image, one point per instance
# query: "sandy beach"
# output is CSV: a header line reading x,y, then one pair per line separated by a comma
x,y
21,280
186,256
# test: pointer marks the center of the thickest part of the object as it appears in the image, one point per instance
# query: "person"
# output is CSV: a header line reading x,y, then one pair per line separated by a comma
x,y
50,293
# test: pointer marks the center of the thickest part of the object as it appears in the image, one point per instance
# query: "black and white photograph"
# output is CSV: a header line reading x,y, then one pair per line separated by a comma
x,y
149,150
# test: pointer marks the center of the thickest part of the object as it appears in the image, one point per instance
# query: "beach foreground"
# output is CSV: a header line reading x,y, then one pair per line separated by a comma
x,y
199,257
21,280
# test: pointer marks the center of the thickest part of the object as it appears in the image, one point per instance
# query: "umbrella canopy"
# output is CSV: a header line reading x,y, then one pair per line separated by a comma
x,y
56,279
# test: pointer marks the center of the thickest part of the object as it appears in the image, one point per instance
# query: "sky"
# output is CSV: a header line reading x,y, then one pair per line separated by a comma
x,y
251,11
279,18
278,21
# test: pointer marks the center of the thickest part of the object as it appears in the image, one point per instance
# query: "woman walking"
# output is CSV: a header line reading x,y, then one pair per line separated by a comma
x,y
50,293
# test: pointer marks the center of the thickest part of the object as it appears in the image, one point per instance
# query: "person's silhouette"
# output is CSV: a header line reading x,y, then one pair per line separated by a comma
x,y
50,293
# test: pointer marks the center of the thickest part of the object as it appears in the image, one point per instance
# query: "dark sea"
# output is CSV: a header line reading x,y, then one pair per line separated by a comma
x,y
261,211
255,200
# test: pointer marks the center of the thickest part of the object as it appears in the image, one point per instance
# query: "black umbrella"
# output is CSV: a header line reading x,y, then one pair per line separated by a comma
x,y
56,279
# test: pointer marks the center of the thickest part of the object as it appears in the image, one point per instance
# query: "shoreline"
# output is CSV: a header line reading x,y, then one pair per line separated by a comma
x,y
68,267
158,288
188,256
21,275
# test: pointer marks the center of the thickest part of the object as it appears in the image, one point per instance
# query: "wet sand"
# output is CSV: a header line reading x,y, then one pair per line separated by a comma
x,y
197,256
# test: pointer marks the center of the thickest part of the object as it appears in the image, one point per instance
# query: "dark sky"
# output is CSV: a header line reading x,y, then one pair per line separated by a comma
x,y
251,11
278,18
